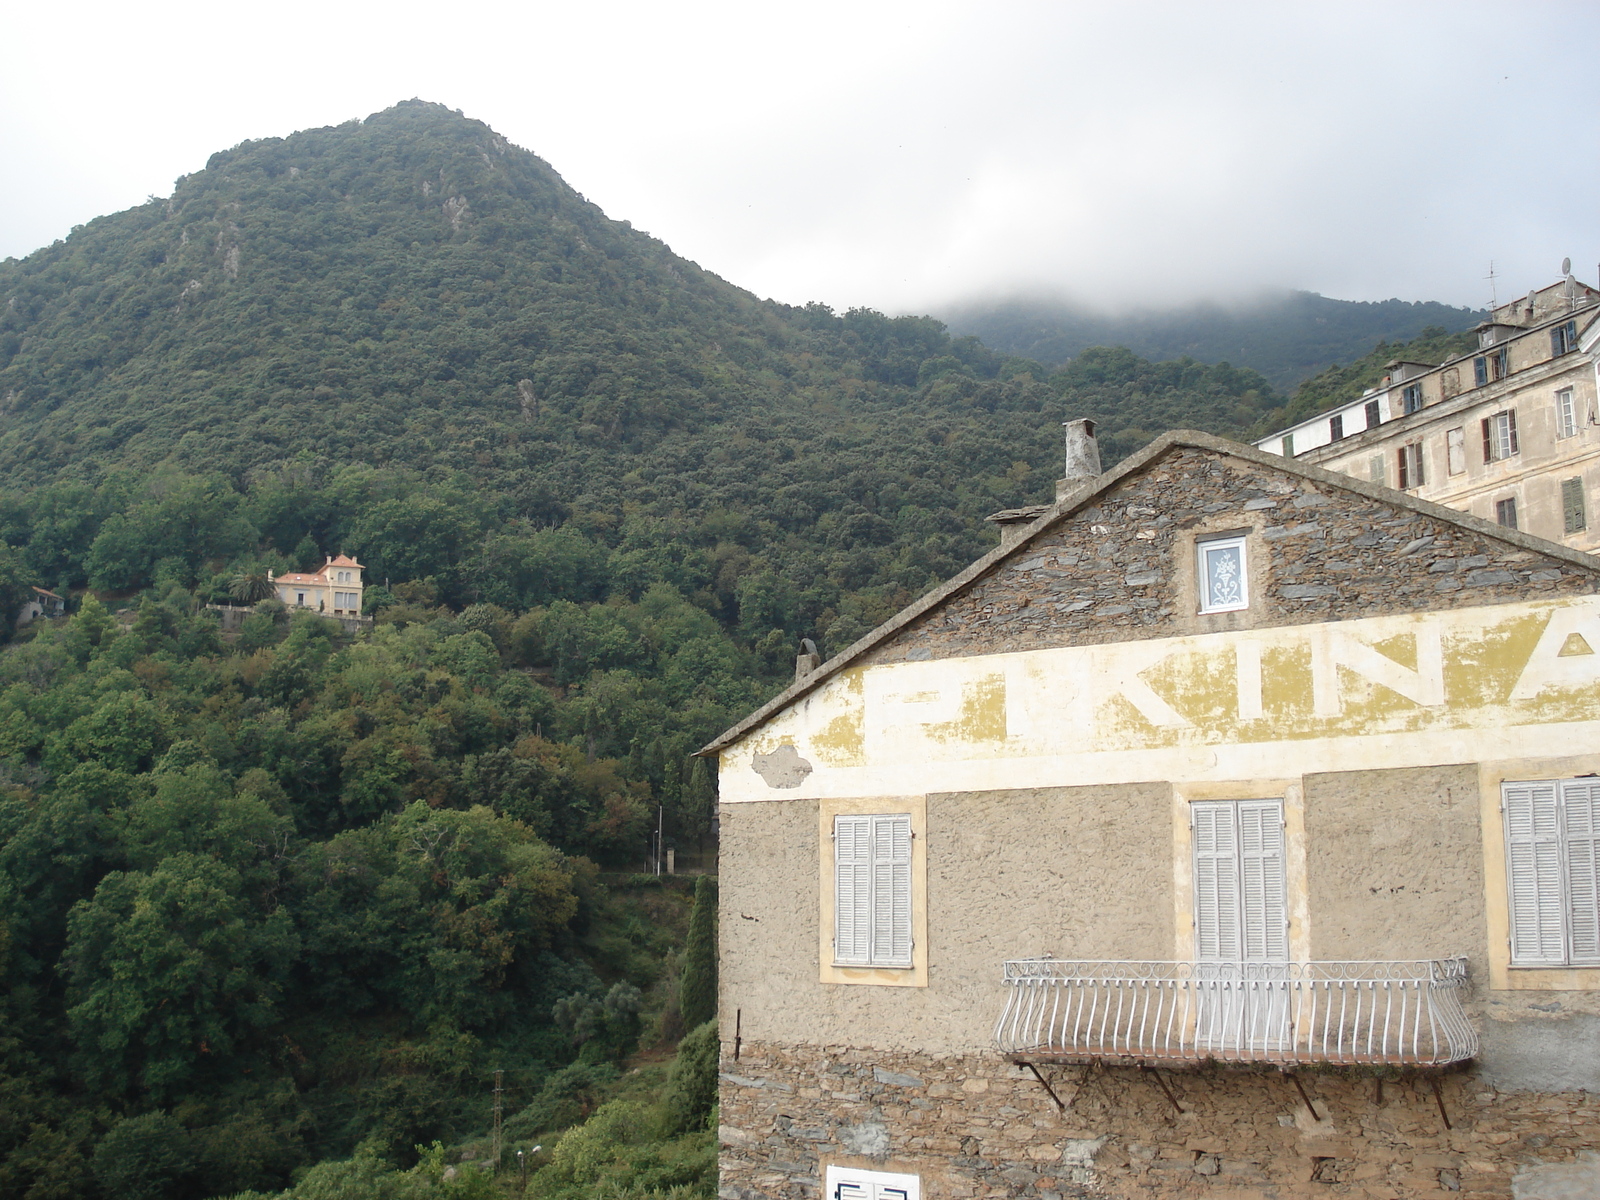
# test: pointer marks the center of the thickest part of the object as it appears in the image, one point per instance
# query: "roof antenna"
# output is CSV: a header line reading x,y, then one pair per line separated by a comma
x,y
1494,301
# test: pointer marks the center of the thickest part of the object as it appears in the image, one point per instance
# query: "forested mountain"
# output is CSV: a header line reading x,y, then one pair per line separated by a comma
x,y
292,895
1286,336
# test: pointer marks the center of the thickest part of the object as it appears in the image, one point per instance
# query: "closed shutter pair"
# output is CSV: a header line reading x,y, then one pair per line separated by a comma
x,y
872,890
1553,864
1239,881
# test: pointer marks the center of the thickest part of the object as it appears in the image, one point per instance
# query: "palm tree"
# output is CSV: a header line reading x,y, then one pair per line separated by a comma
x,y
250,586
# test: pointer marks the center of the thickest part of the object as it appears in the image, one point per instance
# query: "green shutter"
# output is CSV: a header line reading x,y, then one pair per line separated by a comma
x,y
1573,518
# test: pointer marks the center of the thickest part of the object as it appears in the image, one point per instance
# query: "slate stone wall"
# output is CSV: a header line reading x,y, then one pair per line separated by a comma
x,y
977,1126
1125,568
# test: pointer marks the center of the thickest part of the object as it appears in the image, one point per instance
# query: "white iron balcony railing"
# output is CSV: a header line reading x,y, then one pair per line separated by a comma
x,y
1352,1013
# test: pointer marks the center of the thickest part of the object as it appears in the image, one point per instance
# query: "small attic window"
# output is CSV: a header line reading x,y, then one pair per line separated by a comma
x,y
1223,575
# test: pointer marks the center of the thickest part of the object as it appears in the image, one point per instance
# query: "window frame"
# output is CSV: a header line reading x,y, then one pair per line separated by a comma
x,y
1542,908
1413,471
1336,427
869,1185
1564,338
883,880
1500,436
1411,398
1455,451
1202,548
1374,412
1505,512
1566,414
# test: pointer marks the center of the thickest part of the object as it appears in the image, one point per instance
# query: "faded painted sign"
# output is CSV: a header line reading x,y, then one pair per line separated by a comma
x,y
1518,680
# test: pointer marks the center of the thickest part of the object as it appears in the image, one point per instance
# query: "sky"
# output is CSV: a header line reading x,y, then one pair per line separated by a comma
x,y
903,156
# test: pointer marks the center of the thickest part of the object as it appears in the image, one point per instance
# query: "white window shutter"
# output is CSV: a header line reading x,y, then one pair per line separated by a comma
x,y
1216,882
852,889
1580,803
1263,886
1533,864
891,890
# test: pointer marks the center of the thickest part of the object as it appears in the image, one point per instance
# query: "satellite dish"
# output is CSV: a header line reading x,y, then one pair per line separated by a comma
x,y
1566,266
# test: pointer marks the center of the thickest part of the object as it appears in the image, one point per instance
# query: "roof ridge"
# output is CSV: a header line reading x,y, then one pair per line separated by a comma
x,y
1081,497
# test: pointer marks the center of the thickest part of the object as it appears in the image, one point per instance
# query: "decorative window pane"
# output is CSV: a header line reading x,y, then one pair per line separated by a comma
x,y
1375,469
1223,584
1455,451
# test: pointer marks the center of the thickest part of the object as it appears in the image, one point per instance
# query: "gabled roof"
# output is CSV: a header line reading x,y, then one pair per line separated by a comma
x,y
1091,491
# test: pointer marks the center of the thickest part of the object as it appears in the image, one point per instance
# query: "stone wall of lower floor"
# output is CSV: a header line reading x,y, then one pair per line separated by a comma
x,y
978,1126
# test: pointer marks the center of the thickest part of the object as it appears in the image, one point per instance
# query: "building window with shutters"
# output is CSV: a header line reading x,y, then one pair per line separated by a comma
x,y
874,910
1505,512
1374,414
1409,458
1336,428
1552,830
1411,398
1455,450
1574,519
852,1183
1500,436
1566,414
1564,338
1241,922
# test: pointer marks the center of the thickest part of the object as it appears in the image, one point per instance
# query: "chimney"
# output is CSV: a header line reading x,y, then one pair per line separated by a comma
x,y
1083,456
807,661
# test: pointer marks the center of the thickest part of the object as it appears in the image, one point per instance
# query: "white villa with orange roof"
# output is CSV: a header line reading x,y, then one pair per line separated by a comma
x,y
335,589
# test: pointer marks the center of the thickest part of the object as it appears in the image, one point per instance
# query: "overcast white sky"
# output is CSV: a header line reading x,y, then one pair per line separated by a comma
x,y
901,155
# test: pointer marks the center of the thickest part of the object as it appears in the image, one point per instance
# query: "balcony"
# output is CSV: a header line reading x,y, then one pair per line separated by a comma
x,y
1171,1013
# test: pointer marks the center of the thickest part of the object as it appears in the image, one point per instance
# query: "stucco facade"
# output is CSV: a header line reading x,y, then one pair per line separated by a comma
x,y
336,589
1056,724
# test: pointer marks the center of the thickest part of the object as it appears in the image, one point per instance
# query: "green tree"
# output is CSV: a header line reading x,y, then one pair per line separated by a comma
x,y
692,1086
697,989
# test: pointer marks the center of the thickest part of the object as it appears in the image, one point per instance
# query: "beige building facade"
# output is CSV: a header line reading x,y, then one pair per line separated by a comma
x,y
1509,432
335,590
1228,832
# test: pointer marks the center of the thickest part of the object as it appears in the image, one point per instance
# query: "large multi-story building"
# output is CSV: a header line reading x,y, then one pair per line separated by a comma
x,y
1509,432
1233,830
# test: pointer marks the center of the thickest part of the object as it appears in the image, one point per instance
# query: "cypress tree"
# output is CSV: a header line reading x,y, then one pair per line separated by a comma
x,y
697,990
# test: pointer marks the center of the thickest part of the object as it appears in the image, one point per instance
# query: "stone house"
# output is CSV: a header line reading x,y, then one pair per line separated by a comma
x,y
40,603
1232,830
1509,432
336,589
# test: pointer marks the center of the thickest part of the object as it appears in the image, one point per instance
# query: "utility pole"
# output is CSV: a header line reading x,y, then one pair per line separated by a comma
x,y
497,1111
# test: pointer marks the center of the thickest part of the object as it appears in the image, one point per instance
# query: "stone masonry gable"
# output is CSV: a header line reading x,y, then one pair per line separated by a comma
x,y
1112,561
1122,568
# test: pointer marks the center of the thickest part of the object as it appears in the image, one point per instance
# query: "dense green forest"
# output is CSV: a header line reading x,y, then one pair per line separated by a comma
x,y
1287,336
276,905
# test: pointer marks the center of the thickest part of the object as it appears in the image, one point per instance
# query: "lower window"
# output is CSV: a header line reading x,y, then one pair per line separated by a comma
x,y
1553,871
848,1183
